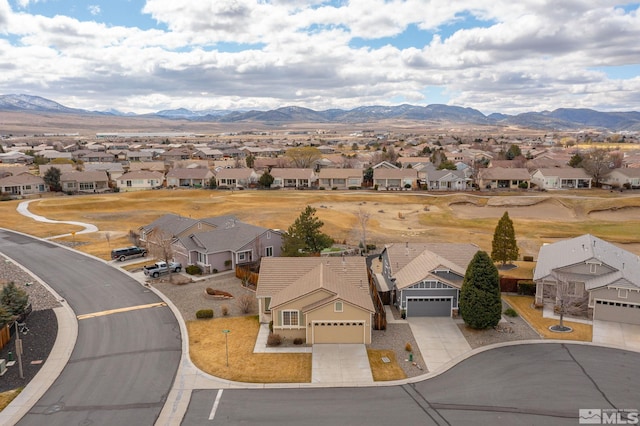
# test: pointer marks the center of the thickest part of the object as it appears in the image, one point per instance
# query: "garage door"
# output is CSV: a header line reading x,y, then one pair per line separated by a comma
x,y
429,307
606,310
339,332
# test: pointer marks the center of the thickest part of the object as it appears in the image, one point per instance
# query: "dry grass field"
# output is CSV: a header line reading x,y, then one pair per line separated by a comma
x,y
394,217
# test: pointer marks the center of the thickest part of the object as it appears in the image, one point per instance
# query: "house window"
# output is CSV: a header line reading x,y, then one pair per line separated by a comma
x,y
593,268
129,183
242,257
337,307
623,293
267,304
202,258
290,318
268,251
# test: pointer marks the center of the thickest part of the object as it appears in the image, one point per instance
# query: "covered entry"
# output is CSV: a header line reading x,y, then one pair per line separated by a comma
x,y
429,306
606,310
338,332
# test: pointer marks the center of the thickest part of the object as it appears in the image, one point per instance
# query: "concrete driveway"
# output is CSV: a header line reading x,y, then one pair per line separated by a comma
x,y
626,336
439,339
340,364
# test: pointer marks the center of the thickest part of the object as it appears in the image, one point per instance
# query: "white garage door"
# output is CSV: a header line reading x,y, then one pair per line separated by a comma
x,y
608,310
338,332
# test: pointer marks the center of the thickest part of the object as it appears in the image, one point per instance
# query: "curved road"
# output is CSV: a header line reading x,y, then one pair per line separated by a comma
x,y
128,347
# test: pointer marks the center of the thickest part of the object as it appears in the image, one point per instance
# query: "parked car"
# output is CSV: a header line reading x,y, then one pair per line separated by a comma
x,y
125,253
160,268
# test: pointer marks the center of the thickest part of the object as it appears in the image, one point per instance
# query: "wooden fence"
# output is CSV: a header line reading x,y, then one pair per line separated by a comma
x,y
246,275
380,316
5,336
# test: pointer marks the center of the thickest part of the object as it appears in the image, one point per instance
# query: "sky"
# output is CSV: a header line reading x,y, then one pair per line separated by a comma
x,y
501,56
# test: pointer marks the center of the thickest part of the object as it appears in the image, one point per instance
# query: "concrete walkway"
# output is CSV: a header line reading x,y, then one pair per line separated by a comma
x,y
624,336
23,209
261,344
439,339
341,364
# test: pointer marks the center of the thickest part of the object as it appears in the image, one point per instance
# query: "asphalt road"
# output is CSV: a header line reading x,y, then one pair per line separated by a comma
x,y
542,384
124,363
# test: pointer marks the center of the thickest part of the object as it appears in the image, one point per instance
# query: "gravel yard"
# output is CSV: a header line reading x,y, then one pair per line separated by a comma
x,y
395,338
42,324
190,297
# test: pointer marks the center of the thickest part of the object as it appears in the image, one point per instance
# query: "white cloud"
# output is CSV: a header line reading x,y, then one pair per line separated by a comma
x,y
531,54
94,9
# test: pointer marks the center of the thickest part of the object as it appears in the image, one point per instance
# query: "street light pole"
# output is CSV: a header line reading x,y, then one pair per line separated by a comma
x,y
226,343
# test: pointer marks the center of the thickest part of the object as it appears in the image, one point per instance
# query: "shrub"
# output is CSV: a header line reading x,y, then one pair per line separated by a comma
x,y
371,247
204,313
375,187
227,263
354,187
215,270
527,288
298,341
193,270
527,258
407,186
321,188
523,185
245,303
225,310
510,312
408,347
271,326
334,188
274,340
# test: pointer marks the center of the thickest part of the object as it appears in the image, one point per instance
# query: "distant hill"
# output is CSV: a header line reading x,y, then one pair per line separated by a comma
x,y
559,119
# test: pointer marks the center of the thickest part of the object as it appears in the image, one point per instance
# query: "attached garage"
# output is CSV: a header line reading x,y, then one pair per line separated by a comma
x,y
338,332
429,306
607,310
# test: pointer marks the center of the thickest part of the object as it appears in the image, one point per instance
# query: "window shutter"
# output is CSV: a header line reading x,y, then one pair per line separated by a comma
x,y
300,318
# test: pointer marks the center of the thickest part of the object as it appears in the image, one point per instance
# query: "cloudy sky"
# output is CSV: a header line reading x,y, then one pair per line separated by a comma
x,y
493,55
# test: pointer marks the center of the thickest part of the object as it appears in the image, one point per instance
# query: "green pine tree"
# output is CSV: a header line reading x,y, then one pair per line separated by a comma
x,y
480,305
504,247
304,236
14,299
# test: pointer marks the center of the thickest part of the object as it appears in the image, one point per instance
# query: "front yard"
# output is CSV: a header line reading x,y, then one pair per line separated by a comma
x,y
524,306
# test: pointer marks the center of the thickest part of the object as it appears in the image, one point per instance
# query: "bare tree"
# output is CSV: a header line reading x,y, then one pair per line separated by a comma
x,y
107,236
568,298
246,303
303,157
363,219
159,245
597,165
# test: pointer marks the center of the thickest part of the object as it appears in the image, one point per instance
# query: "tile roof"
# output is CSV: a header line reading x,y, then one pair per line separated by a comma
x,y
287,278
584,248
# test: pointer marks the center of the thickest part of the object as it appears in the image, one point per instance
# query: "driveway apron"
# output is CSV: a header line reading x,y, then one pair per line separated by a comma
x,y
439,339
616,334
345,364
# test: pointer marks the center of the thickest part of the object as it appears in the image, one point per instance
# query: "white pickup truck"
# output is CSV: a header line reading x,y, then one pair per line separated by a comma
x,y
160,268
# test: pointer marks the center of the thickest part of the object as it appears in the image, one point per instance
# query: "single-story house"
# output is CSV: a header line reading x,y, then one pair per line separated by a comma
x,y
208,154
189,177
15,157
113,170
215,243
330,178
293,178
503,178
445,180
624,177
236,178
140,180
23,184
424,279
13,169
561,178
85,182
317,299
599,279
394,179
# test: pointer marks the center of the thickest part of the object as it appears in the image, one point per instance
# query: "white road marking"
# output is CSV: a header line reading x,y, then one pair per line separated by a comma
x,y
212,414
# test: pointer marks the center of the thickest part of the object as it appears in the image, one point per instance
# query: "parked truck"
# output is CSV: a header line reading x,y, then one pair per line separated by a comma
x,y
160,268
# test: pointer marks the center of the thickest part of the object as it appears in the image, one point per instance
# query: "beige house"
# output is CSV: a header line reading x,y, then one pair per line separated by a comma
x,y
22,184
625,177
189,177
140,180
340,178
320,300
561,178
293,178
589,277
503,178
236,178
85,182
394,179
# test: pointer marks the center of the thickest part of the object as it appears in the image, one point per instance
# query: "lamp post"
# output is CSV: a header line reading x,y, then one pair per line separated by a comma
x,y
226,343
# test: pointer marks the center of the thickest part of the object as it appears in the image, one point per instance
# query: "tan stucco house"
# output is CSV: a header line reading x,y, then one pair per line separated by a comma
x,y
318,299
140,180
592,274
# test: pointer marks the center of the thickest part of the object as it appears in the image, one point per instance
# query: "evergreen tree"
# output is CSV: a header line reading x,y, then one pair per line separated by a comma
x,y
52,179
480,305
14,299
304,236
504,247
266,180
5,316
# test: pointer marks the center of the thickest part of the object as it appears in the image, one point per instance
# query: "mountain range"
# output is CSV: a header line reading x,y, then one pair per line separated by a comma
x,y
559,119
